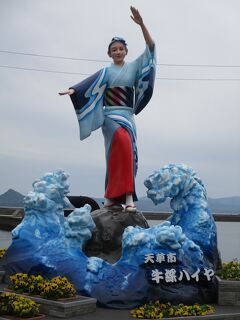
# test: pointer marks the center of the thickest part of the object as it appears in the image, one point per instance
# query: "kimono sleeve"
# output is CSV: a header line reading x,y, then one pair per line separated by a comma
x,y
88,102
145,78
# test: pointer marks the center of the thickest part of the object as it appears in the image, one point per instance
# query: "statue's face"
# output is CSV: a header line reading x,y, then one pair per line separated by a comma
x,y
117,52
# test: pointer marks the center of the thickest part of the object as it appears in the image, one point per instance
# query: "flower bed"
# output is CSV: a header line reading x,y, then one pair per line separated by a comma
x,y
229,284
2,251
230,271
2,272
56,297
66,308
14,305
158,310
56,288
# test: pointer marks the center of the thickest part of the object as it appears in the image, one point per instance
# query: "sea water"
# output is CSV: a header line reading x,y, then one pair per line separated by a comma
x,y
228,239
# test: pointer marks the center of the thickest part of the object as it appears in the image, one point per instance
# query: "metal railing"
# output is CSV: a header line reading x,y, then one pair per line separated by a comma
x,y
11,217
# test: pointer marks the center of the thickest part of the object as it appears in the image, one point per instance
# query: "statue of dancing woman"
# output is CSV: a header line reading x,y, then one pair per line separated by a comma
x,y
109,99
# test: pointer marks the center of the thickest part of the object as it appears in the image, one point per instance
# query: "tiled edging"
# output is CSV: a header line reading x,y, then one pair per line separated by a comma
x,y
2,274
228,292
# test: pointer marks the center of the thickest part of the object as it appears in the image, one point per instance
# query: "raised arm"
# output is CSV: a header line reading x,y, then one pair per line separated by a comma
x,y
137,18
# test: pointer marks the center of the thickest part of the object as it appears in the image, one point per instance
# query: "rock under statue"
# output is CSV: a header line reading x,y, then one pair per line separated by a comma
x,y
173,261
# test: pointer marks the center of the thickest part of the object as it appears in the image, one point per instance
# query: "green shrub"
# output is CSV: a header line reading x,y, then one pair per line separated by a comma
x,y
230,270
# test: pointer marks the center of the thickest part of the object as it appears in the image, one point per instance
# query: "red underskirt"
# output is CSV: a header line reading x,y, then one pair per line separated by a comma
x,y
120,167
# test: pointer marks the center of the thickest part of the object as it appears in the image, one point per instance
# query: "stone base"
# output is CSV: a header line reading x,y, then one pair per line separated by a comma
x,y
228,292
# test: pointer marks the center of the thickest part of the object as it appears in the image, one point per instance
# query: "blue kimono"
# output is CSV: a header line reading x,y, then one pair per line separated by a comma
x,y
109,99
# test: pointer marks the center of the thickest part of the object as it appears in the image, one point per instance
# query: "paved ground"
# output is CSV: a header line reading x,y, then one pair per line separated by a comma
x,y
222,312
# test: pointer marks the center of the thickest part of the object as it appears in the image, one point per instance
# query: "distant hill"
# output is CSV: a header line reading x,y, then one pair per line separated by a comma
x,y
220,205
225,205
146,204
12,198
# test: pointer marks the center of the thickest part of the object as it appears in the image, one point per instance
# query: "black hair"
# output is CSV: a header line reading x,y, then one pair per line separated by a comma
x,y
117,39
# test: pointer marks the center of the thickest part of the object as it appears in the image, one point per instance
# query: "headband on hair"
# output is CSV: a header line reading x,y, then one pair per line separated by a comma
x,y
117,39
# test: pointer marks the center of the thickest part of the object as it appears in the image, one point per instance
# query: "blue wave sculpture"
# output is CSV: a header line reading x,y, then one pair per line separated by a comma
x,y
173,261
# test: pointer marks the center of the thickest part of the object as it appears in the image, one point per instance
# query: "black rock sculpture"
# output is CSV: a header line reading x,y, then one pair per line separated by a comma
x,y
106,241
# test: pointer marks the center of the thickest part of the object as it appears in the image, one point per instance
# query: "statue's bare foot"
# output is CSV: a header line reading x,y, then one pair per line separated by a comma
x,y
130,208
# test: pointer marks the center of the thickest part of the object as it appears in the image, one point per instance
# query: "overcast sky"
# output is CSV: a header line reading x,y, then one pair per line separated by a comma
x,y
195,122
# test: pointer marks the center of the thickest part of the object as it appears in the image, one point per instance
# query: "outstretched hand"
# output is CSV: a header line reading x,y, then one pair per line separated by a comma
x,y
136,17
69,92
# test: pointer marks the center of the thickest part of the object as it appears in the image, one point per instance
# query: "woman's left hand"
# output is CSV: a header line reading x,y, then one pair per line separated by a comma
x,y
69,92
136,16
